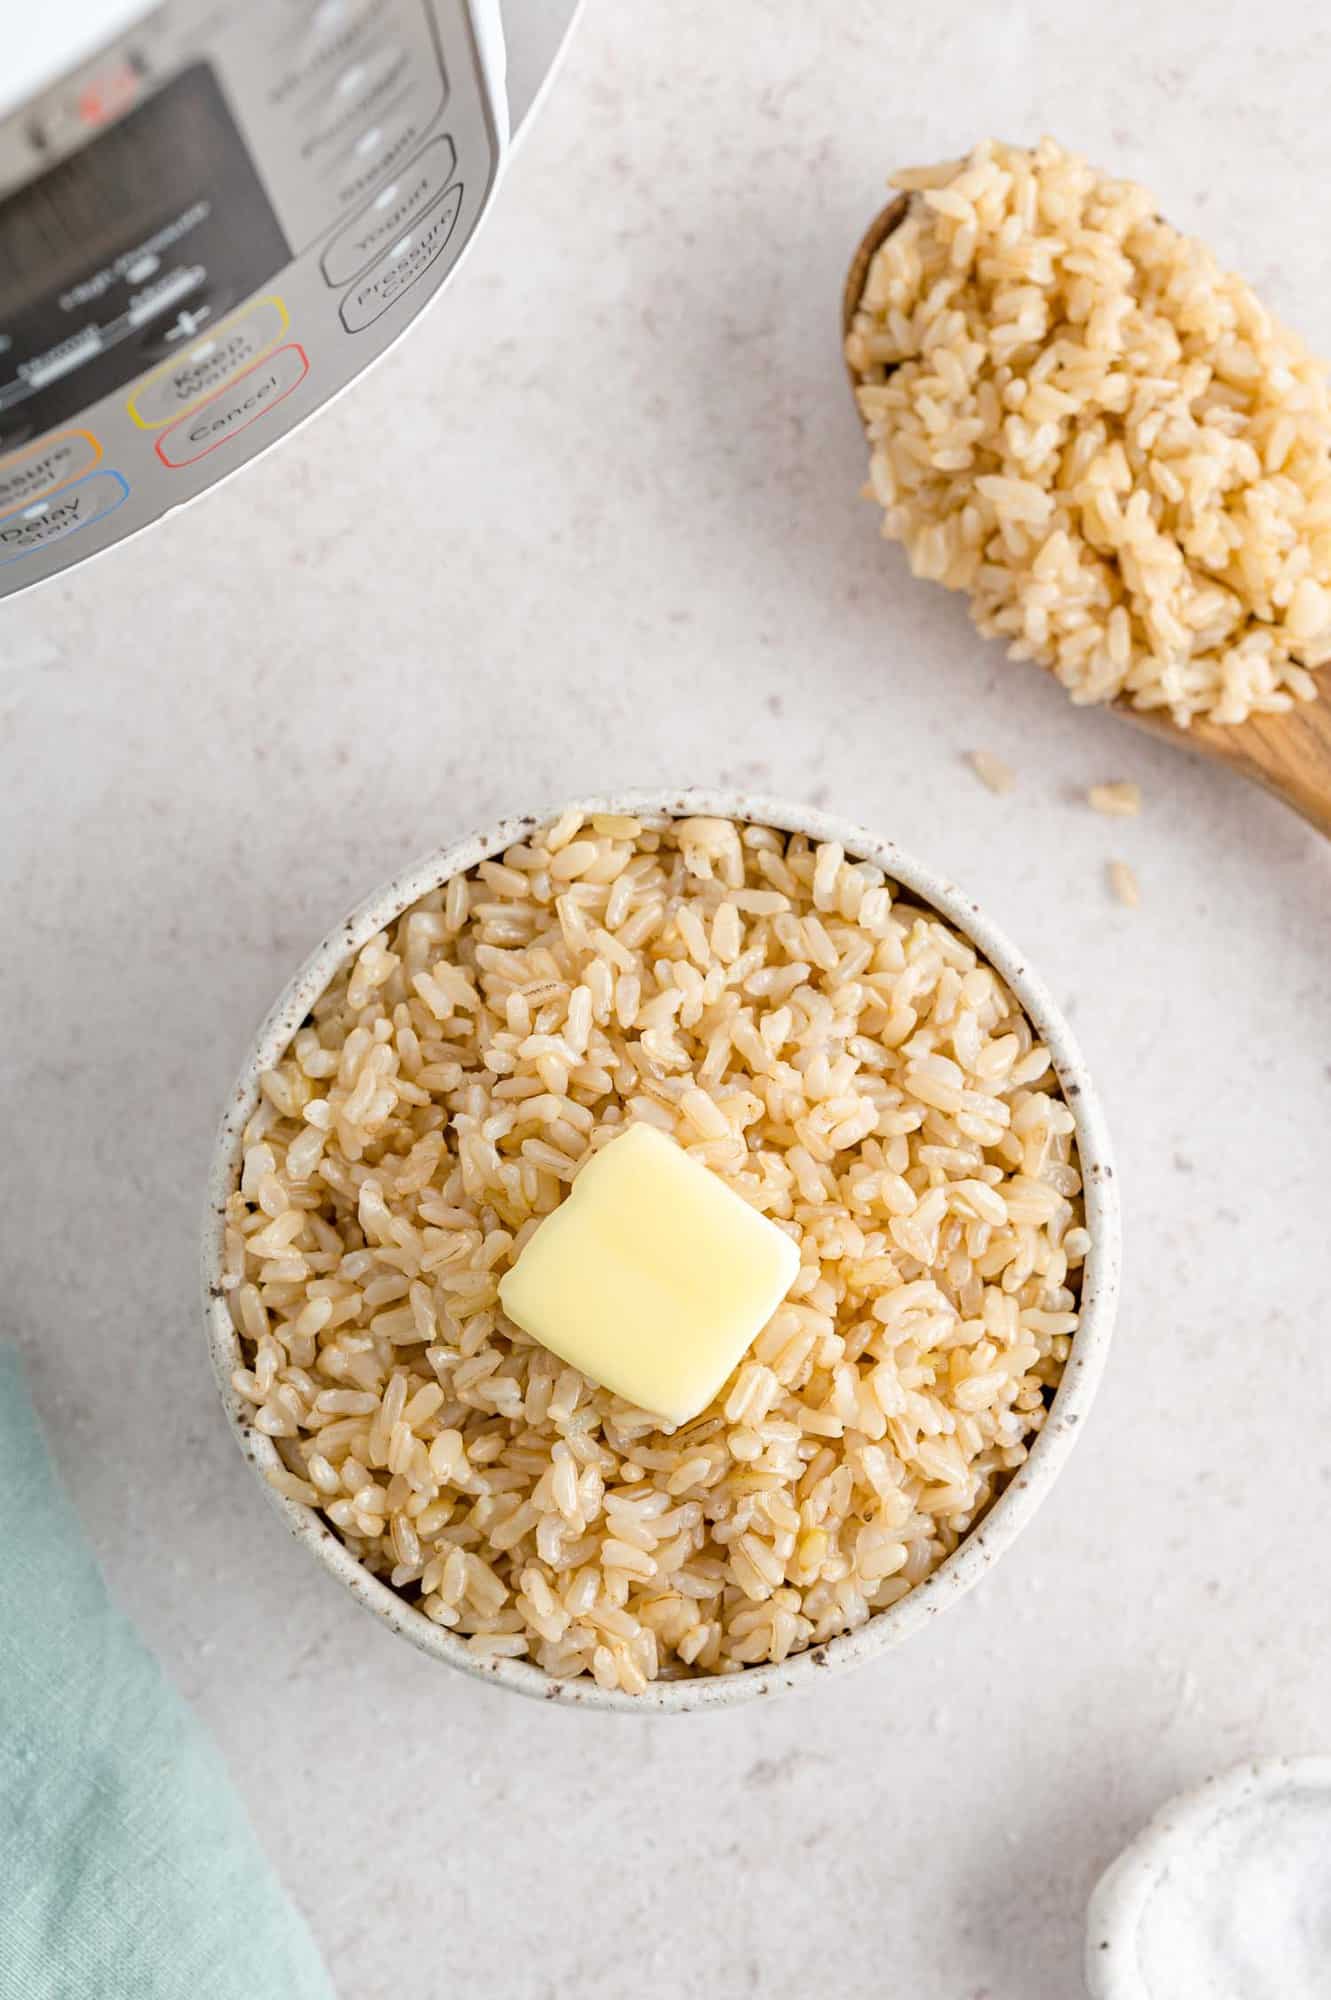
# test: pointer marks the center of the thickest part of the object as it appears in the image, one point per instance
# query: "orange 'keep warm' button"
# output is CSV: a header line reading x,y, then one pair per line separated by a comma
x,y
234,409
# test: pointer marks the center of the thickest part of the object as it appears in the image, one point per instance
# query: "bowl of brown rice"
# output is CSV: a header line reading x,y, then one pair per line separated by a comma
x,y
828,1025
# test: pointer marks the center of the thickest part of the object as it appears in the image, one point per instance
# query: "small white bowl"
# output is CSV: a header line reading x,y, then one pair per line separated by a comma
x,y
1029,1485
1223,1918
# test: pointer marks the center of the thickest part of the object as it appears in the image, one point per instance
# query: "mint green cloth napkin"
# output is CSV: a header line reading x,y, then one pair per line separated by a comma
x,y
128,1868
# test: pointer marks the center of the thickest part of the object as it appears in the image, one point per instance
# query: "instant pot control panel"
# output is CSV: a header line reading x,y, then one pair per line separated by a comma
x,y
205,233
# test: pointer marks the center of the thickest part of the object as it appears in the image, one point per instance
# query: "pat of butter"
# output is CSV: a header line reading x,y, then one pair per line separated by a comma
x,y
652,1276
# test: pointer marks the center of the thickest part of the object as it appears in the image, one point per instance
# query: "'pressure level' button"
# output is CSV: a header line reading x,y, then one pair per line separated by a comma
x,y
44,467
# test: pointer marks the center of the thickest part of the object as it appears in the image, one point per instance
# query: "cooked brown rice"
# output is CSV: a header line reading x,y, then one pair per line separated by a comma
x,y
1120,800
1123,882
992,771
843,1059
1077,417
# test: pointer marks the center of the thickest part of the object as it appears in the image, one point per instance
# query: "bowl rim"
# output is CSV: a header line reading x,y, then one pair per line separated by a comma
x,y
1029,1485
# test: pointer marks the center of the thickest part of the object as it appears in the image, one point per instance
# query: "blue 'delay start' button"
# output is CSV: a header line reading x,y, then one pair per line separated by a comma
x,y
31,529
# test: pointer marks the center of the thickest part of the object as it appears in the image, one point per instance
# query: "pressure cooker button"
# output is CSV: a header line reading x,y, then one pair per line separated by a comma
x,y
234,409
309,51
391,213
364,90
44,467
42,522
383,148
204,365
409,259
189,321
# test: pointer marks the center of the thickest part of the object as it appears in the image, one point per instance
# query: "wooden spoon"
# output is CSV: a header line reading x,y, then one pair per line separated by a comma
x,y
1289,753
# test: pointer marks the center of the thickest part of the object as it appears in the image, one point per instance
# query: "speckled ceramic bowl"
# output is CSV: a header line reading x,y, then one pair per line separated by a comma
x,y
1006,1517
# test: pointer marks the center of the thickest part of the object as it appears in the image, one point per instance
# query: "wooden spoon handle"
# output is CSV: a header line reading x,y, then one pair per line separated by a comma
x,y
1288,754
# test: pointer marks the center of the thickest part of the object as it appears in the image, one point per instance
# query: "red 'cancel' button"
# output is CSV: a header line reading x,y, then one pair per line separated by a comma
x,y
234,408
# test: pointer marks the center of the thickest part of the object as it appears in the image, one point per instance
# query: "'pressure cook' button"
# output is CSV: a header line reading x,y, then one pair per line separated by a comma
x,y
42,522
408,260
206,364
238,406
46,466
400,204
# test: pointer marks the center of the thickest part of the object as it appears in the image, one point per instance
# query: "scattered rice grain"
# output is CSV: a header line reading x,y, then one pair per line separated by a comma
x,y
1121,800
992,771
1124,884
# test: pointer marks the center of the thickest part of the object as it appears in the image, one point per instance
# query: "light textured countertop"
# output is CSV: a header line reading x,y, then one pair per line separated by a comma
x,y
596,523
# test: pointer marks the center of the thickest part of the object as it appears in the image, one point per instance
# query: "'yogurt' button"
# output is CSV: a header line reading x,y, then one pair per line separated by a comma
x,y
407,261
77,506
46,466
238,406
392,212
208,363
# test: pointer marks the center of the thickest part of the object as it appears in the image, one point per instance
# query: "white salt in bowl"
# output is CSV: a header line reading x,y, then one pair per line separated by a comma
x,y
997,1529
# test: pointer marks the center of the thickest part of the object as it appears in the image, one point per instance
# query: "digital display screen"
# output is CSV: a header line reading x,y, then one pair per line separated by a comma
x,y
126,250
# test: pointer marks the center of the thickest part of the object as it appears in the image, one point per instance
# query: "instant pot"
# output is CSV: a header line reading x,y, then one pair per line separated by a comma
x,y
213,217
